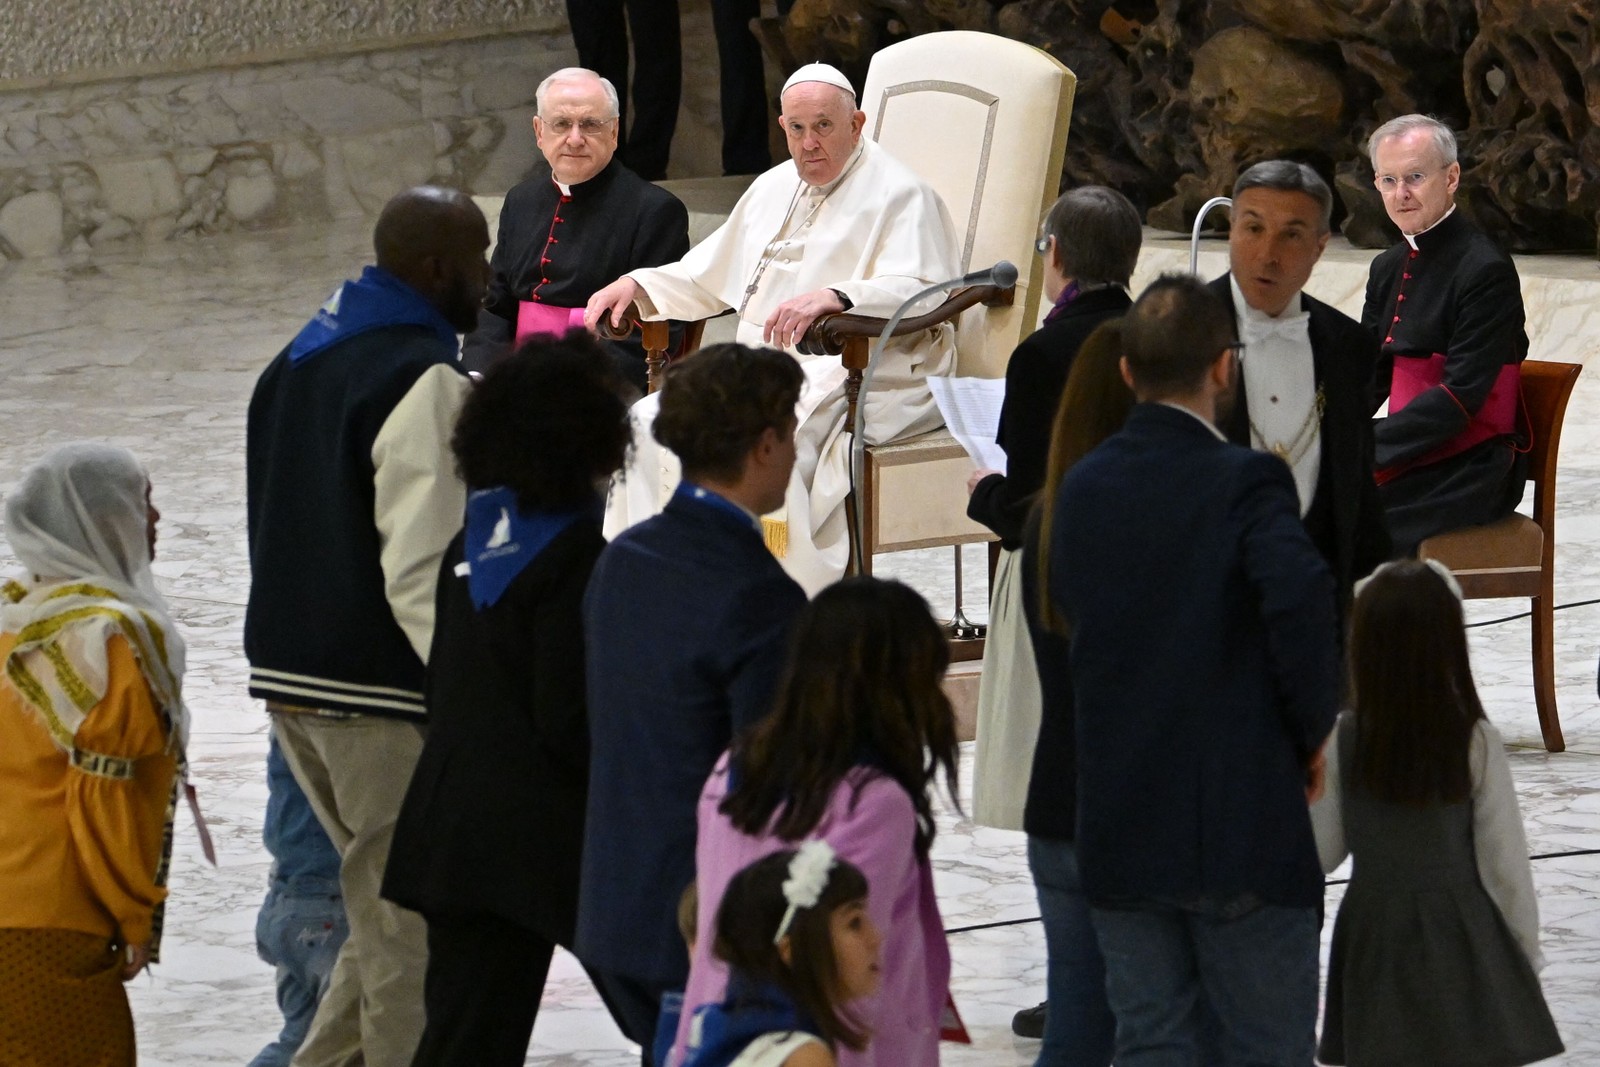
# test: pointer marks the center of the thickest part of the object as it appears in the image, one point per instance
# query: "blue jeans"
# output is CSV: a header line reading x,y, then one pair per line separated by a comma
x,y
1256,972
1079,1029
299,930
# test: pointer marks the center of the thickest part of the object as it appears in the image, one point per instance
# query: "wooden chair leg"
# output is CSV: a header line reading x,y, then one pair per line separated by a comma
x,y
1544,672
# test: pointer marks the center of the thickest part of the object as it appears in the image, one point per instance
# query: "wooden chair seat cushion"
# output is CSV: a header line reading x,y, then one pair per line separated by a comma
x,y
1508,550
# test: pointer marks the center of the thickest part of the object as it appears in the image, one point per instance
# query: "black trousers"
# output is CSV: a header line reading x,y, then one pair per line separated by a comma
x,y
600,31
1480,485
746,114
482,990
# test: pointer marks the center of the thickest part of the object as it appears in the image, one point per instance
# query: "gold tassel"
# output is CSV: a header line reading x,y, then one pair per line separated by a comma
x,y
776,534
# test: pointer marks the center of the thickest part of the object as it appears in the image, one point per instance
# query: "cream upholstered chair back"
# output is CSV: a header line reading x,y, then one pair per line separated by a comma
x,y
983,119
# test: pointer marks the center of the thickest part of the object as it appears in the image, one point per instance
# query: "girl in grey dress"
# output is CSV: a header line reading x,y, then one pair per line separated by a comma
x,y
1436,947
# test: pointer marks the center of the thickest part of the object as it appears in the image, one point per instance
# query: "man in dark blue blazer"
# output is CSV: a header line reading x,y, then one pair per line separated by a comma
x,y
686,621
1206,678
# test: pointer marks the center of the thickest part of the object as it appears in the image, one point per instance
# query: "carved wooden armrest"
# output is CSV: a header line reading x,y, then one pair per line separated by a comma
x,y
655,336
851,336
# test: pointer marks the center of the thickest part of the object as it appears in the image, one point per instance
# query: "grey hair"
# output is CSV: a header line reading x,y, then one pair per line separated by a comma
x,y
1444,139
1288,176
572,74
1097,232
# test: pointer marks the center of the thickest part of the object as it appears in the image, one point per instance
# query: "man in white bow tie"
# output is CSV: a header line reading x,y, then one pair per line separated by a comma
x,y
1306,369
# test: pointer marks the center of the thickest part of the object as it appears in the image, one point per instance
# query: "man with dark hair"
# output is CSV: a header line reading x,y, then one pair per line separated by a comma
x,y
1447,304
351,501
1206,678
1305,393
567,233
686,619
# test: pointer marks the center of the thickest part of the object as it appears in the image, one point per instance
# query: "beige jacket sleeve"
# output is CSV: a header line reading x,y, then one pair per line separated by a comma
x,y
419,500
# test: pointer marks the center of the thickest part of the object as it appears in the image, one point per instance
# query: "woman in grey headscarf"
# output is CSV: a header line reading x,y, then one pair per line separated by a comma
x,y
92,728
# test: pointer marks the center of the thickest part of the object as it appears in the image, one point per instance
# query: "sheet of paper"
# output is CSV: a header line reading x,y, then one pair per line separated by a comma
x,y
971,410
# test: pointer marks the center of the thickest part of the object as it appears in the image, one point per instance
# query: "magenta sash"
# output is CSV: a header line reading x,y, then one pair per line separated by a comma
x,y
1497,417
546,320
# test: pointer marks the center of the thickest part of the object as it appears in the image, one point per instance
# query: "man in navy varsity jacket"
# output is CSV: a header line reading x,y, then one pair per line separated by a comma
x,y
686,622
1206,677
352,500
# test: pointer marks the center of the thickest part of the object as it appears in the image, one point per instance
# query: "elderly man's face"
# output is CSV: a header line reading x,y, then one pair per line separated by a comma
x,y
1274,240
577,130
822,129
1416,185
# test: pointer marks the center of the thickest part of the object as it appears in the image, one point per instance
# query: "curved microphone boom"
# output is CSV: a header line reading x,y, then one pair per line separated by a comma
x,y
1003,275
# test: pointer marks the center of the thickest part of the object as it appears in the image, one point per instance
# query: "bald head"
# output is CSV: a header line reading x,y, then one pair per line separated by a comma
x,y
434,239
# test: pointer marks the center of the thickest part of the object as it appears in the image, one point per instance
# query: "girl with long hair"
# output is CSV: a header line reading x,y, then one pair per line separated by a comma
x,y
1436,948
859,732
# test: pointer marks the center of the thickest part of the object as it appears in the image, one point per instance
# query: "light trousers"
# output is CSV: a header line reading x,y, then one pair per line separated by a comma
x,y
355,771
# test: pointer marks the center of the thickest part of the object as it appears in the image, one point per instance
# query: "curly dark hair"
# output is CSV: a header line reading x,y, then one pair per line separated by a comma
x,y
861,685
748,917
717,403
547,422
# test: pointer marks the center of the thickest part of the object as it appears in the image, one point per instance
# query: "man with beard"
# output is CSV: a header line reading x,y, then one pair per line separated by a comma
x,y
1205,670
352,498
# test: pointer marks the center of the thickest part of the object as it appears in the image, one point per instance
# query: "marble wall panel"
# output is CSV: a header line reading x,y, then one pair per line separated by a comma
x,y
90,39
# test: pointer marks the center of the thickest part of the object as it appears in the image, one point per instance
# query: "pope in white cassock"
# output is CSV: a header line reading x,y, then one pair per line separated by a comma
x,y
843,226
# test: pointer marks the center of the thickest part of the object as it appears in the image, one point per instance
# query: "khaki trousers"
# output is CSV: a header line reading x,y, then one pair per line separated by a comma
x,y
355,771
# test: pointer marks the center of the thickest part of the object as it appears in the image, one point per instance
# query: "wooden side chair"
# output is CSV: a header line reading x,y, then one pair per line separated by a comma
x,y
1515,556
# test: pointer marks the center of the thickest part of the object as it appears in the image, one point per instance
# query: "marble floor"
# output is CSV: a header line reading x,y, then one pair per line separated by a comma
x,y
159,351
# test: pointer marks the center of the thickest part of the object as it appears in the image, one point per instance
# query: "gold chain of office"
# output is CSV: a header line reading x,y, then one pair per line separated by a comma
x,y
1294,451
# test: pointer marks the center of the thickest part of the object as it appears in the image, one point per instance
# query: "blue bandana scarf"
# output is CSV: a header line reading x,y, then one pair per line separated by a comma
x,y
501,540
749,1011
375,300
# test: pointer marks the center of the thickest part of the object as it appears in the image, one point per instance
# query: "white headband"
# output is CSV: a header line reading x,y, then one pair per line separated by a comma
x,y
819,72
808,877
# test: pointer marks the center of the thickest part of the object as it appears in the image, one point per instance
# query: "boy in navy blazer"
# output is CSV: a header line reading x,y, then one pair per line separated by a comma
x,y
686,621
1205,670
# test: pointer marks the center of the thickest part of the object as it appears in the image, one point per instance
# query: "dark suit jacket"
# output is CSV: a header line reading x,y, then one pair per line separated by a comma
x,y
493,820
1346,517
687,620
1035,378
1204,665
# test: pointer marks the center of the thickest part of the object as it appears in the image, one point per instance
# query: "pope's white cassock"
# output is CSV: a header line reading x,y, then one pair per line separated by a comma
x,y
878,234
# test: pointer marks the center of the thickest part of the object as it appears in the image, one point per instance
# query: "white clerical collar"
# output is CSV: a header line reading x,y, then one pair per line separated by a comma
x,y
1411,238
566,190
1196,416
1292,311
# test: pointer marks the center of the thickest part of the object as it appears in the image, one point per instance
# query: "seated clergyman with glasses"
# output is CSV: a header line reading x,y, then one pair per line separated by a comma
x,y
1446,305
566,234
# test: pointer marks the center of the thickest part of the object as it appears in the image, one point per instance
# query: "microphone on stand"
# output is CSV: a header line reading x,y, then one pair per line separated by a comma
x,y
1002,275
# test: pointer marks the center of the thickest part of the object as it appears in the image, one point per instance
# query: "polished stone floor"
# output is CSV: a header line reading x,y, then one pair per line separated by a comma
x,y
159,353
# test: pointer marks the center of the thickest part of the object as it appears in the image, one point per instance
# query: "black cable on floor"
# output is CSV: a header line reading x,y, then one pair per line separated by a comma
x,y
1525,614
1331,881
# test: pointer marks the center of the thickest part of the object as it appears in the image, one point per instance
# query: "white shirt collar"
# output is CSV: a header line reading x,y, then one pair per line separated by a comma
x,y
1411,238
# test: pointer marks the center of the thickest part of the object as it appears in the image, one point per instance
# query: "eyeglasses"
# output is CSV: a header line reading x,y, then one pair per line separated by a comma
x,y
1042,245
1388,183
1237,348
587,127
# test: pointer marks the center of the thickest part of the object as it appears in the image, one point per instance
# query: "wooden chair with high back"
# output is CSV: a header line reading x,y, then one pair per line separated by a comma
x,y
1515,556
